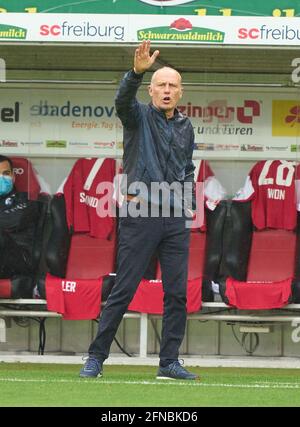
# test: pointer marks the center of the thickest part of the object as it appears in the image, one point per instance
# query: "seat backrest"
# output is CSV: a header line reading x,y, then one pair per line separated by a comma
x,y
262,242
82,243
90,258
272,256
25,177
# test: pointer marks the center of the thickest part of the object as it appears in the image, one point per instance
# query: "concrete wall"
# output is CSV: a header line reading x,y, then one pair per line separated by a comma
x,y
202,338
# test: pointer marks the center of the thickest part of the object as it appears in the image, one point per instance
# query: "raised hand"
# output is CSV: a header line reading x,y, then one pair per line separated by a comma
x,y
142,58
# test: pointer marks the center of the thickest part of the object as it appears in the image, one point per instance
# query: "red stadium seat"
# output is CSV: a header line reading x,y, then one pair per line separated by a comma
x,y
261,254
82,244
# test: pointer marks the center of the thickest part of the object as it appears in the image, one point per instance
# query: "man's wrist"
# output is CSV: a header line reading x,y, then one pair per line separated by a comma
x,y
138,73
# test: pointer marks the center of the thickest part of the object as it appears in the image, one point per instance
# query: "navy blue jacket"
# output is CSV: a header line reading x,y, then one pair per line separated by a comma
x,y
18,223
156,149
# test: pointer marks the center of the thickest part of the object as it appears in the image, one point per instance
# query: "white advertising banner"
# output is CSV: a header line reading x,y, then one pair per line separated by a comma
x,y
228,124
172,29
230,30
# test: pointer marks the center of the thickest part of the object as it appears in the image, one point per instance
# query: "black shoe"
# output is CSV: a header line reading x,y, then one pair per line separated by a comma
x,y
175,371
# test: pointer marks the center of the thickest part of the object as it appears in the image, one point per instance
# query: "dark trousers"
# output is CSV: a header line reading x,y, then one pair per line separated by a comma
x,y
139,238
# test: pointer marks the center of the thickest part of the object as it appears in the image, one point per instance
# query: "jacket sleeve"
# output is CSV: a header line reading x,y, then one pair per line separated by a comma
x,y
190,198
19,217
127,106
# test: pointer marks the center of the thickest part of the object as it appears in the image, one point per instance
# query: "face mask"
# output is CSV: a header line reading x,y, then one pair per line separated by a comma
x,y
6,185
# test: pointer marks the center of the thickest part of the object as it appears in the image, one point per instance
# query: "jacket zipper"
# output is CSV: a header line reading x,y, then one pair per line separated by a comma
x,y
169,147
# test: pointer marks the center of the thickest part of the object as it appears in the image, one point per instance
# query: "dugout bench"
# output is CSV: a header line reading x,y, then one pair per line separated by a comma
x,y
217,311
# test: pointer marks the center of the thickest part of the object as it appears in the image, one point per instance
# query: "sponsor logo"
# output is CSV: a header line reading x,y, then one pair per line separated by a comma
x,y
43,108
120,145
223,129
204,146
10,114
227,147
12,33
85,29
295,148
220,111
56,144
166,2
7,143
285,118
104,144
274,148
252,147
181,30
79,144
18,171
265,33
32,143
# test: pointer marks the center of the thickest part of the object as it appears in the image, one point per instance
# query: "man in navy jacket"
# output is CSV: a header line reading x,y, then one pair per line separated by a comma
x,y
158,149
18,217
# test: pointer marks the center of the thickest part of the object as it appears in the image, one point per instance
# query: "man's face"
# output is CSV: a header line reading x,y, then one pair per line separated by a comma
x,y
6,178
165,90
5,169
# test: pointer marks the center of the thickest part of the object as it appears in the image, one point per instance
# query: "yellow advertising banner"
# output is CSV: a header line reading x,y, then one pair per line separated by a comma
x,y
286,117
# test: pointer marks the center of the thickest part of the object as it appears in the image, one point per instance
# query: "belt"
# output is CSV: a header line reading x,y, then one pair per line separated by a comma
x,y
131,198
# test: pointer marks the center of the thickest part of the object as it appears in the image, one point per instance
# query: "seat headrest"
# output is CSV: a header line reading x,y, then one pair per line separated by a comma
x,y
25,177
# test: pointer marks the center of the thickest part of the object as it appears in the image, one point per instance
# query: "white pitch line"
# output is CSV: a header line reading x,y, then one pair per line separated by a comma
x,y
262,385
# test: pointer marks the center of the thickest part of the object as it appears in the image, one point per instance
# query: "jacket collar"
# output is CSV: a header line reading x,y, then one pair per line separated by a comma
x,y
177,114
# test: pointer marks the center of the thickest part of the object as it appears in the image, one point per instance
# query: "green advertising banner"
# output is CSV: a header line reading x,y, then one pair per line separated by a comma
x,y
275,8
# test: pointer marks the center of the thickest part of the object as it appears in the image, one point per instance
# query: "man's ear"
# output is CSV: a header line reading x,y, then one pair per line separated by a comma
x,y
150,90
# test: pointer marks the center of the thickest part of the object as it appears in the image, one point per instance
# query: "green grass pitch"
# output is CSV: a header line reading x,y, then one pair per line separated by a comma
x,y
35,385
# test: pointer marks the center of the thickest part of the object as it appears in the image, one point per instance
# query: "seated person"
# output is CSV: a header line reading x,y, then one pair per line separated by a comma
x,y
18,218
